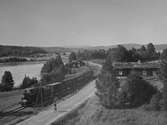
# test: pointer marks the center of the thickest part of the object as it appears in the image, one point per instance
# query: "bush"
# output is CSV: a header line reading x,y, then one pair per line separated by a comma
x,y
7,82
136,91
154,102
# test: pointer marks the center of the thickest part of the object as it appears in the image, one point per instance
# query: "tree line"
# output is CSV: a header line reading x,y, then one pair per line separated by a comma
x,y
19,51
13,59
91,54
121,54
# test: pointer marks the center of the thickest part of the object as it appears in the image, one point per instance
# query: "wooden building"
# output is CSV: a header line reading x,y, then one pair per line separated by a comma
x,y
146,69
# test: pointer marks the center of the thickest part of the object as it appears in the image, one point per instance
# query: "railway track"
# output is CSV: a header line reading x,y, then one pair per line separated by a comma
x,y
16,110
11,111
10,115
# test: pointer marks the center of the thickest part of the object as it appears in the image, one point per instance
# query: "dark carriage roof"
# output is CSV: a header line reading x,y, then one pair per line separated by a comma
x,y
68,78
137,65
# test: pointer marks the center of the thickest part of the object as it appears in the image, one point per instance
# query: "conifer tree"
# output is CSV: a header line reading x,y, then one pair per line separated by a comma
x,y
53,70
107,85
28,82
7,82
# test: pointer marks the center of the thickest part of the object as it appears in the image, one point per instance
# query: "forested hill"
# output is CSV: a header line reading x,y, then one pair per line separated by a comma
x,y
27,51
58,49
128,46
19,51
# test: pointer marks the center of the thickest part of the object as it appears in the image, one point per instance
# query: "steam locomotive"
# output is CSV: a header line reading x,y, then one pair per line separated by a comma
x,y
44,95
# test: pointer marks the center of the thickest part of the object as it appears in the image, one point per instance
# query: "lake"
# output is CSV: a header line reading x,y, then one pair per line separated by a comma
x,y
20,70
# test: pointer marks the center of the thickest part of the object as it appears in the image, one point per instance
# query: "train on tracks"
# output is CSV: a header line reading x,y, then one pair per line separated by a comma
x,y
45,95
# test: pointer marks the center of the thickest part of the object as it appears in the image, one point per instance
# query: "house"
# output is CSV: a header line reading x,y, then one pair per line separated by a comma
x,y
145,69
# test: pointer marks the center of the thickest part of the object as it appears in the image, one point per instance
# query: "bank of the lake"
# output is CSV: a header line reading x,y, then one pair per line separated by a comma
x,y
19,70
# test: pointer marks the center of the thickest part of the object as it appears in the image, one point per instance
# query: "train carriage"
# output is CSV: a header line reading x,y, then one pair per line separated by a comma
x,y
44,95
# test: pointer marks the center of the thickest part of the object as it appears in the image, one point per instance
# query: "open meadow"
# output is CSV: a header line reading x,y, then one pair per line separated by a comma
x,y
92,113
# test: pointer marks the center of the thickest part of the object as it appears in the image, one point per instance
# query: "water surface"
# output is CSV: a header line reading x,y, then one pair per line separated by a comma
x,y
20,70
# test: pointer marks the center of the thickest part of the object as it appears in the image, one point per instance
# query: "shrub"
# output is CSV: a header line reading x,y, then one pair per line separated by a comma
x,y
137,91
154,102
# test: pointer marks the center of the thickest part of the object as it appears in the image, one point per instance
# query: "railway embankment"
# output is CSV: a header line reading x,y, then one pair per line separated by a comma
x,y
92,113
71,114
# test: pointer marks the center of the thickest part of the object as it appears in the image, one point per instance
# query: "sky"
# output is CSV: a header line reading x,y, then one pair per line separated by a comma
x,y
82,22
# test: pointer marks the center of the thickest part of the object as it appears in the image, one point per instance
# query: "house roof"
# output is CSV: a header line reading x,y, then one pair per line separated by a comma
x,y
136,65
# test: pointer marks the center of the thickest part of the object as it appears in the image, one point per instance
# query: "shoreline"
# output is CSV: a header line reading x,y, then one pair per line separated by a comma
x,y
21,63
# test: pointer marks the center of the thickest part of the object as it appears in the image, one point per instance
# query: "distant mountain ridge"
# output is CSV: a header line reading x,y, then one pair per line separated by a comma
x,y
6,50
128,46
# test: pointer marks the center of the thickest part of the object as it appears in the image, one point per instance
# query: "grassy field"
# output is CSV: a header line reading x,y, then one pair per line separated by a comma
x,y
8,99
92,113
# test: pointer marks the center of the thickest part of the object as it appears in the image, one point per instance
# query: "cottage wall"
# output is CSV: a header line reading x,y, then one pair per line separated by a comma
x,y
142,72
